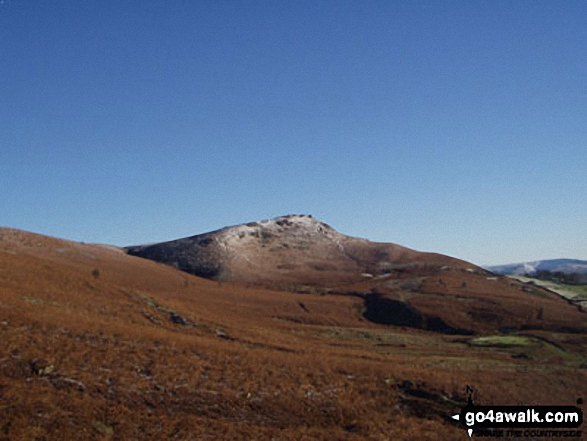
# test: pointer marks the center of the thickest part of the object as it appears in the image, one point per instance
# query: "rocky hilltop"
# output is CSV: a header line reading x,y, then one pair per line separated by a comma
x,y
287,251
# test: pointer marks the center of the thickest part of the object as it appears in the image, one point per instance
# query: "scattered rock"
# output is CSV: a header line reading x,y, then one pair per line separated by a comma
x,y
223,335
353,427
67,383
41,367
520,355
177,319
103,428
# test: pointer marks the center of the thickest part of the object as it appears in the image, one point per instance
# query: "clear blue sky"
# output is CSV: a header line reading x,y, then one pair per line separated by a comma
x,y
457,126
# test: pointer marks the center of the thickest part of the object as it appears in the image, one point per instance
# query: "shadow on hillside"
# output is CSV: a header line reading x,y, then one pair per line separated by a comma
x,y
386,311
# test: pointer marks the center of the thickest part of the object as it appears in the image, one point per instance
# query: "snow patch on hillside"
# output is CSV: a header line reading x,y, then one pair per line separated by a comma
x,y
293,226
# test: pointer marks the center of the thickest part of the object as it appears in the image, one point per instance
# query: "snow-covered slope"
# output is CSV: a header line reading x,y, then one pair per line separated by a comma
x,y
518,269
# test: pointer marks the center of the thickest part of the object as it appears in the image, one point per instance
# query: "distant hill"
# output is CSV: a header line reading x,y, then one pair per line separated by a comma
x,y
567,266
399,286
287,251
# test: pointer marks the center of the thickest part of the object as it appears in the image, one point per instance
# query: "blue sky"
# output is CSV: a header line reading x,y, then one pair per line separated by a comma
x,y
457,127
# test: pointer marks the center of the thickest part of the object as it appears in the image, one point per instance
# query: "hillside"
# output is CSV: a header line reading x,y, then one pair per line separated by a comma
x,y
398,286
575,294
98,344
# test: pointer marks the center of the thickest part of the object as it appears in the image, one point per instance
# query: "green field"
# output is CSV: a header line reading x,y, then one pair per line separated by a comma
x,y
576,293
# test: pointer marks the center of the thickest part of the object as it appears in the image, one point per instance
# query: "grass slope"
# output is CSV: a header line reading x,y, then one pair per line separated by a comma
x,y
577,294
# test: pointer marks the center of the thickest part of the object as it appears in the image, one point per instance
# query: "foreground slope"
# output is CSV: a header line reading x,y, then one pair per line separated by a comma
x,y
97,344
398,286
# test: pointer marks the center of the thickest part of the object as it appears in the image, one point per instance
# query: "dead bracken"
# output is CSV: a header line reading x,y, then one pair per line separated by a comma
x,y
145,351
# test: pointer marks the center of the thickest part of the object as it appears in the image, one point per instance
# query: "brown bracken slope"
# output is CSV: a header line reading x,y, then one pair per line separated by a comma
x,y
96,344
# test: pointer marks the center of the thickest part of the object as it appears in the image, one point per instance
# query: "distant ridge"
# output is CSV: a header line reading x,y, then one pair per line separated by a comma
x,y
567,266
